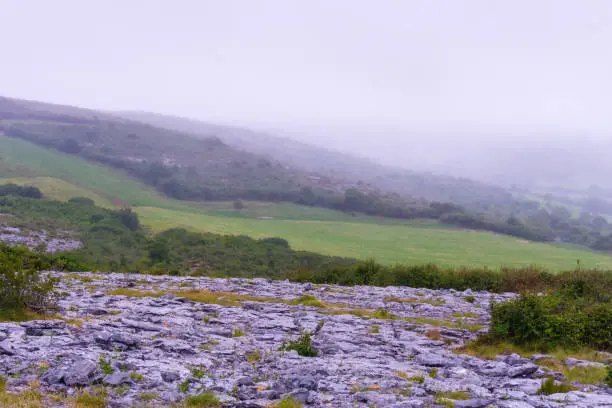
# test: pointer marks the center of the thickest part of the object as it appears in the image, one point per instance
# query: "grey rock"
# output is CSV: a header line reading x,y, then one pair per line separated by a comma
x,y
244,381
53,376
166,340
432,360
523,370
473,403
118,378
6,348
125,339
170,376
141,325
96,311
246,393
80,373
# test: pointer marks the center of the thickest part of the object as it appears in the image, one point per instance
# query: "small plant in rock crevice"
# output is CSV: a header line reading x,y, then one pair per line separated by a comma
x,y
303,345
105,365
184,386
238,333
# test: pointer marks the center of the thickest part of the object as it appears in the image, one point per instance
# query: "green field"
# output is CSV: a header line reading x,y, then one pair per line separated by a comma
x,y
329,232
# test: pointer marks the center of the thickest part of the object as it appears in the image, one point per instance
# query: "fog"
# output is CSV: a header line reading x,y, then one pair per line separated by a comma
x,y
460,87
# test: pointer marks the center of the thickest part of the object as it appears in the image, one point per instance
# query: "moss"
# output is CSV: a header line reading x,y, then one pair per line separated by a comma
x,y
147,396
466,314
253,356
418,379
308,300
136,376
238,333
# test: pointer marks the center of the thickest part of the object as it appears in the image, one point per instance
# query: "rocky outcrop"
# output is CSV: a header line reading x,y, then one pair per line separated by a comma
x,y
383,347
35,239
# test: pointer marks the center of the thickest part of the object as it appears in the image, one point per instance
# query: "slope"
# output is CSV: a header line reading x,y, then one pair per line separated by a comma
x,y
338,165
320,230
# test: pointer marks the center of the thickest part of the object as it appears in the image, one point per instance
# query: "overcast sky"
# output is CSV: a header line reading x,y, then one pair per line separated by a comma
x,y
428,64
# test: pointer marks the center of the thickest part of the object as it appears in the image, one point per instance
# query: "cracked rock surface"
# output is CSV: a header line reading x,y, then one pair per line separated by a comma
x,y
381,347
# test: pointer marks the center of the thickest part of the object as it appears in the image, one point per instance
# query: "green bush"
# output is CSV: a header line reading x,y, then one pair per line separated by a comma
x,y
303,345
588,284
24,289
546,321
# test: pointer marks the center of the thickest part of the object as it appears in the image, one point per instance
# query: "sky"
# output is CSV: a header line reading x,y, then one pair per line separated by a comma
x,y
399,65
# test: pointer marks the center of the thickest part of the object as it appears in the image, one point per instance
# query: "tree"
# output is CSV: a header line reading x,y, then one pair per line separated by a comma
x,y
129,218
238,205
70,146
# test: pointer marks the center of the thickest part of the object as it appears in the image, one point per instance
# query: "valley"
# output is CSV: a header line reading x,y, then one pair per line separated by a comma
x,y
63,176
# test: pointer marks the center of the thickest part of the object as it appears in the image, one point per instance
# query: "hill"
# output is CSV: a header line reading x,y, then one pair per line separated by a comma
x,y
185,167
306,228
181,166
339,166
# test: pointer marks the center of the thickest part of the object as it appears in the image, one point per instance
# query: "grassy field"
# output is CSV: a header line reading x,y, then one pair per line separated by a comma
x,y
330,232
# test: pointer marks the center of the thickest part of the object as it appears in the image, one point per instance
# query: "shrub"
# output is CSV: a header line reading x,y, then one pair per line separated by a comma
x,y
25,290
20,191
303,345
547,321
128,218
238,205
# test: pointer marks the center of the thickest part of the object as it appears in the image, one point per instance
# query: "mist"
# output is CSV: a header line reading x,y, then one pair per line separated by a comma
x,y
479,89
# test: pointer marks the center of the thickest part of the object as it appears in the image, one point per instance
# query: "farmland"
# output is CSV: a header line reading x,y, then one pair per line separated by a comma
x,y
61,176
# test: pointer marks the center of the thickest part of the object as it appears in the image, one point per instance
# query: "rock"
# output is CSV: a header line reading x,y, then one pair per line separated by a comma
x,y
118,378
374,398
473,403
124,338
244,381
170,376
246,393
572,362
53,376
44,327
6,348
431,360
96,311
156,343
141,325
80,373
523,370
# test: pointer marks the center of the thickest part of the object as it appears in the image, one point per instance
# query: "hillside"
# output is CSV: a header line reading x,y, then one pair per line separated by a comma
x,y
177,164
61,175
203,169
339,166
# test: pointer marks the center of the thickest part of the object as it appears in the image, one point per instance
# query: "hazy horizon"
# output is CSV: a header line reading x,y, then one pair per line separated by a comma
x,y
386,80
